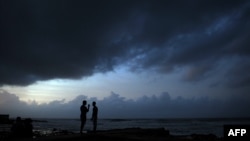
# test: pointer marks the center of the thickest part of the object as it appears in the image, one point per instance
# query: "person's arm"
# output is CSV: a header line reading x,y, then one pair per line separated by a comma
x,y
92,117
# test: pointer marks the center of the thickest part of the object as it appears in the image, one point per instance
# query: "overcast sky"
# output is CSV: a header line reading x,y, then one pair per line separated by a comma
x,y
143,58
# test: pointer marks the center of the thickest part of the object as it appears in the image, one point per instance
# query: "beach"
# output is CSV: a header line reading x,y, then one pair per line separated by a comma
x,y
127,134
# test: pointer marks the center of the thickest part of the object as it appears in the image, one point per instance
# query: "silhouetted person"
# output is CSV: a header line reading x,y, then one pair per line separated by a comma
x,y
94,115
17,128
28,128
83,117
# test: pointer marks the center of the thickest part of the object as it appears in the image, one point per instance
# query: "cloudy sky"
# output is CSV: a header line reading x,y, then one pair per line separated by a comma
x,y
143,58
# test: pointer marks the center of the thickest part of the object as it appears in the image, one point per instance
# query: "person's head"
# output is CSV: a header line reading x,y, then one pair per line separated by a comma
x,y
93,103
84,102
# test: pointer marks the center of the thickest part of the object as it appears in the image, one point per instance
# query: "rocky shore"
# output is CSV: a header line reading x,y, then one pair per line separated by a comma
x,y
128,134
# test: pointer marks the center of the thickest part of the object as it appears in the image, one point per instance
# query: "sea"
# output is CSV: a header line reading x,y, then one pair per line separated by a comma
x,y
176,126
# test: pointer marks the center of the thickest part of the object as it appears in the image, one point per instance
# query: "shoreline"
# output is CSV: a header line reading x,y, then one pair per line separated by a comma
x,y
126,134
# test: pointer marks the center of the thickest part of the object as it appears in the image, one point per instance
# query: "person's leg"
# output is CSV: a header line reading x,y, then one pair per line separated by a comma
x,y
82,125
94,125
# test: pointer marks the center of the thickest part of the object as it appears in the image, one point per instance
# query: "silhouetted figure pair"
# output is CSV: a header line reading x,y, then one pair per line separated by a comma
x,y
22,128
84,110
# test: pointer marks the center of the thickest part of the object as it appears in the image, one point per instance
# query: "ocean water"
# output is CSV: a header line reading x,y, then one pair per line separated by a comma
x,y
175,126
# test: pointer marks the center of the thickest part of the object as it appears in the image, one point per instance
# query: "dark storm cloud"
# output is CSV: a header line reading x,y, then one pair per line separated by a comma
x,y
42,40
116,106
239,76
60,39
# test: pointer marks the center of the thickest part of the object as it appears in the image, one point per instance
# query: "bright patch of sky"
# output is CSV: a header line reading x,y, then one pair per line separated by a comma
x,y
130,85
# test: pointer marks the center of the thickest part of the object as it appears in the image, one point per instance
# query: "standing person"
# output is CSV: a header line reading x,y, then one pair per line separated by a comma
x,y
84,111
94,116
